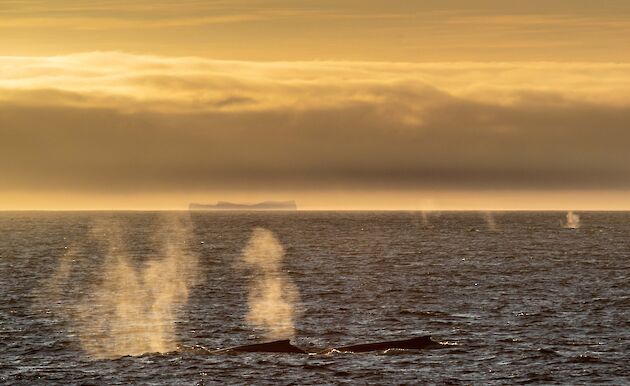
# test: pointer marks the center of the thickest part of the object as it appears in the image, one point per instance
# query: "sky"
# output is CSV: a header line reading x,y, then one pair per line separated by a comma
x,y
415,105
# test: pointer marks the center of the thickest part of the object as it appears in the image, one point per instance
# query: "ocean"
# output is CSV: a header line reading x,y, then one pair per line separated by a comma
x,y
119,298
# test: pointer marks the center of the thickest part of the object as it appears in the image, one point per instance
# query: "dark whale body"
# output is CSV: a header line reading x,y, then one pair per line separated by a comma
x,y
417,343
285,346
277,346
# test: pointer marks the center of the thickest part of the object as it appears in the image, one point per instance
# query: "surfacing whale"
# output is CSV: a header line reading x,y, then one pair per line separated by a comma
x,y
275,346
418,343
285,346
278,346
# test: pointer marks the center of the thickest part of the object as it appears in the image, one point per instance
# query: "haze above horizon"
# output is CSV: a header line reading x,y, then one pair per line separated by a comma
x,y
372,104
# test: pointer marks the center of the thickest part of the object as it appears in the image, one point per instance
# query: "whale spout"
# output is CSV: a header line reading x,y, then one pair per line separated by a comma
x,y
280,346
418,343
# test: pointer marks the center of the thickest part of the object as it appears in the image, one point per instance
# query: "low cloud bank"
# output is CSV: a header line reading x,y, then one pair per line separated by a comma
x,y
121,122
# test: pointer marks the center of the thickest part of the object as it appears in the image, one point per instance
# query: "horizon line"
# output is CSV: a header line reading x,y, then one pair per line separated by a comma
x,y
322,210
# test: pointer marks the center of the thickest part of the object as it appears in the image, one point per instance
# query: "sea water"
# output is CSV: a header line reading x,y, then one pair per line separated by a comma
x,y
520,300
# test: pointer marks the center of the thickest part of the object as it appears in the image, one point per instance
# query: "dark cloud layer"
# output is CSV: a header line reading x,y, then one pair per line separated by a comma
x,y
458,144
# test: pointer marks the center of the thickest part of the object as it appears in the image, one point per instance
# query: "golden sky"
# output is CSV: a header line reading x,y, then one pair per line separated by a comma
x,y
337,104
364,30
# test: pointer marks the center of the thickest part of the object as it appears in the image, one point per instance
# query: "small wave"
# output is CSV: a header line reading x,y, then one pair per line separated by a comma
x,y
548,351
398,351
192,350
237,329
586,358
330,351
466,316
538,378
330,293
427,314
315,367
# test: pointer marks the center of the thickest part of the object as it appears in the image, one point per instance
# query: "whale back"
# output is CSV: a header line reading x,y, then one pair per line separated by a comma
x,y
280,346
416,343
285,346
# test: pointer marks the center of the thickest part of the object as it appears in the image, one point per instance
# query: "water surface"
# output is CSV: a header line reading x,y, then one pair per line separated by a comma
x,y
525,302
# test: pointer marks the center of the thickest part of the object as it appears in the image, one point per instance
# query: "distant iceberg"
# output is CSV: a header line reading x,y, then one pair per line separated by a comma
x,y
265,205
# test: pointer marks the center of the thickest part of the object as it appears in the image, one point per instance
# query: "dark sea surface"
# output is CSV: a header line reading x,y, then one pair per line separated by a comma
x,y
522,300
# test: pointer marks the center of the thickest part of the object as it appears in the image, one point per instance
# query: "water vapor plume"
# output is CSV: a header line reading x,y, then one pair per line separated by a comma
x,y
133,308
425,218
272,295
490,222
51,291
573,221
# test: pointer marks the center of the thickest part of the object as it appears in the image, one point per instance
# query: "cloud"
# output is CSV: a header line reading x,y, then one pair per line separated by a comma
x,y
167,15
110,121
